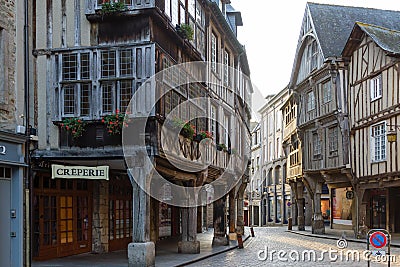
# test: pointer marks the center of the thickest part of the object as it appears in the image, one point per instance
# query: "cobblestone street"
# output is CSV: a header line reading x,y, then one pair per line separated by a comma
x,y
289,249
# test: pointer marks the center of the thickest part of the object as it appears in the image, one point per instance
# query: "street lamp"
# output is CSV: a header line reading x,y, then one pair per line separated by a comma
x,y
392,132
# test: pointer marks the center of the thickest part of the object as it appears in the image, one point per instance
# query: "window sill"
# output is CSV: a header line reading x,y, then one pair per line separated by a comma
x,y
376,98
317,157
333,154
378,161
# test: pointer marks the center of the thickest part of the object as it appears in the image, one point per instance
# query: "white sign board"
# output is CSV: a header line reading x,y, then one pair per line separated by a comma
x,y
79,172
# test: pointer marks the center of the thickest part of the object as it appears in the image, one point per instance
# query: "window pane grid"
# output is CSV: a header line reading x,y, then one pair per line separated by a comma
x,y
85,100
69,100
379,135
108,64
125,62
125,94
85,66
107,97
70,67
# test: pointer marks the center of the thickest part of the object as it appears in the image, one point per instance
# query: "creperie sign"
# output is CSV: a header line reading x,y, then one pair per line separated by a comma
x,y
79,172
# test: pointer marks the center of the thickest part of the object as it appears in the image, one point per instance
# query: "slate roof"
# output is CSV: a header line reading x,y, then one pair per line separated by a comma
x,y
387,39
333,24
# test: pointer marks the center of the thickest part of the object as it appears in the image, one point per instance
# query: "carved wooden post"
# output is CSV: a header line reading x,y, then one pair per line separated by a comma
x,y
240,215
300,206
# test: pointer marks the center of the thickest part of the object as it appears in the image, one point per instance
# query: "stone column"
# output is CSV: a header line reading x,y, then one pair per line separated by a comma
x,y
318,226
189,244
141,252
232,216
219,223
100,217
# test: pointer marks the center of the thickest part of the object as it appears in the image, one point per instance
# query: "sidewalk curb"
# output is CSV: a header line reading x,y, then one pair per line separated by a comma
x,y
211,255
334,237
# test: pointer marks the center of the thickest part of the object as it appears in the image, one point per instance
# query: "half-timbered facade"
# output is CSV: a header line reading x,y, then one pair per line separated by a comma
x,y
294,172
319,81
90,61
373,92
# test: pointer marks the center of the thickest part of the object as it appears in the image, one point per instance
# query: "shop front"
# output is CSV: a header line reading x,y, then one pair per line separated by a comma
x,y
78,209
12,169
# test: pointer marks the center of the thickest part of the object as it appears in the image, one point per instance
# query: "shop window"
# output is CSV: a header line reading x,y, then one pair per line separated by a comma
x,y
5,173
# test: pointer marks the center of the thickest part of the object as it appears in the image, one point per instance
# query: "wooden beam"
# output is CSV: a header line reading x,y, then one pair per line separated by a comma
x,y
176,174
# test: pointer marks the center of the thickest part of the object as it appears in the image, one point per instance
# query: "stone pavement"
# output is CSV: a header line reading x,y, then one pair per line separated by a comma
x,y
275,246
166,254
337,234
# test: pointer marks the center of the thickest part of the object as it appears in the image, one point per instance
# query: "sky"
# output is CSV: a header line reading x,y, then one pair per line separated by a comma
x,y
270,33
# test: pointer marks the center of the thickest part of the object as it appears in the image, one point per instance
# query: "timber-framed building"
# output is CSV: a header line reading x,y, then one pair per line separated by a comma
x,y
89,61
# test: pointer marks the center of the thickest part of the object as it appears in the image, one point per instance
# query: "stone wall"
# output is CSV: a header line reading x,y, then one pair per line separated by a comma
x,y
100,217
7,65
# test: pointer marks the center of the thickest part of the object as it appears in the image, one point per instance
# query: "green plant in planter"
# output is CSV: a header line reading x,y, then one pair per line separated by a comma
x,y
75,126
185,31
111,6
222,147
186,129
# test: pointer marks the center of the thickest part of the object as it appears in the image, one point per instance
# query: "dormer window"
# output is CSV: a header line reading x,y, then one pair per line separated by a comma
x,y
313,55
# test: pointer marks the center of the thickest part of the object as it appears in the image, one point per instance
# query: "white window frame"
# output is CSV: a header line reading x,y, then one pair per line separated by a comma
x,y
378,141
226,68
376,87
214,51
76,83
326,92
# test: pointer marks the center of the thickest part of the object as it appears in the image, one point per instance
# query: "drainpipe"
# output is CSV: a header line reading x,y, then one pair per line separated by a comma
x,y
28,183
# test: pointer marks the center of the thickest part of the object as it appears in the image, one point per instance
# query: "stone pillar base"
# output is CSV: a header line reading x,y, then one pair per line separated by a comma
x,y
189,247
232,236
220,241
318,227
141,254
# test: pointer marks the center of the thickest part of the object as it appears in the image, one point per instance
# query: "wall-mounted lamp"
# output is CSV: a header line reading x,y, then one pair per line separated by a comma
x,y
392,132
